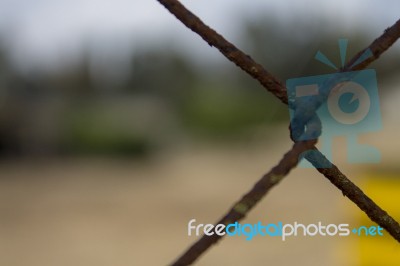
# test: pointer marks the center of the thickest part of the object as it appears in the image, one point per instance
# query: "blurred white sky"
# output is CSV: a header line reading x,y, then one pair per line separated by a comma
x,y
51,31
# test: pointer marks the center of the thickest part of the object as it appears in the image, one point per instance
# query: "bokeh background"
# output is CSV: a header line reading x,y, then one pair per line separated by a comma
x,y
118,125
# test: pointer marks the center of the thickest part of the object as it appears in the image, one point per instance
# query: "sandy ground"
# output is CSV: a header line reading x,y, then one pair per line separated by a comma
x,y
109,212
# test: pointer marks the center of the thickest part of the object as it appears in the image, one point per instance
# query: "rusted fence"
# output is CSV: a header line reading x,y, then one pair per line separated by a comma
x,y
291,158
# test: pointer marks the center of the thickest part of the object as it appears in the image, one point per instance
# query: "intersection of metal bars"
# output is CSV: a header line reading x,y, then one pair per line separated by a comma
x,y
290,160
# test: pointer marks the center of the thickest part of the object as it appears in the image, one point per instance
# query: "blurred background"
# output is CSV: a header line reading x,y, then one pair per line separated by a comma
x,y
118,125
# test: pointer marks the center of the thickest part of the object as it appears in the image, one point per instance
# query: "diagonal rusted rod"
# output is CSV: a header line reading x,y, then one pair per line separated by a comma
x,y
239,210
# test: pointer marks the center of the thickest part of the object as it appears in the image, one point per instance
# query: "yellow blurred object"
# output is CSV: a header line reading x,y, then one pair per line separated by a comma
x,y
374,251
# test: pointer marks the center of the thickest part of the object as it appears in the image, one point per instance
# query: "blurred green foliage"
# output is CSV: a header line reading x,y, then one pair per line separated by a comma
x,y
226,112
90,133
164,94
